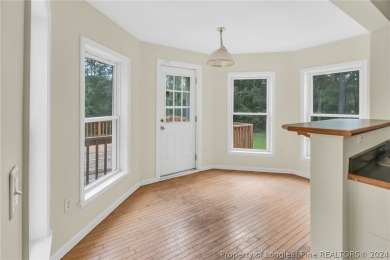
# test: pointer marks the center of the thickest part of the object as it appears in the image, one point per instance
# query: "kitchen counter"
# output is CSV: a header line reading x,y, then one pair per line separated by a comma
x,y
339,127
348,212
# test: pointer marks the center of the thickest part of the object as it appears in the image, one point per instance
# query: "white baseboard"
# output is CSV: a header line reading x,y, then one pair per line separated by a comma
x,y
302,174
206,167
179,174
260,169
79,236
148,181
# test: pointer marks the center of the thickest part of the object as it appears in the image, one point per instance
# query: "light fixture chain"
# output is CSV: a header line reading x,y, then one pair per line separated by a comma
x,y
220,33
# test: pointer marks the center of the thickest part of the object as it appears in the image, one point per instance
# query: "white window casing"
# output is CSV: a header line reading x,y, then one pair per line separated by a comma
x,y
307,95
270,122
120,118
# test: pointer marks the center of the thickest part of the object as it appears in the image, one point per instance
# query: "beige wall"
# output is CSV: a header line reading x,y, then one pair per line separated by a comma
x,y
380,74
12,35
353,49
287,67
70,20
286,106
383,6
150,53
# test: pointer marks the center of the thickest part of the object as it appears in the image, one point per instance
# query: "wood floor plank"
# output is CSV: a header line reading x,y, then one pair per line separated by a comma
x,y
199,216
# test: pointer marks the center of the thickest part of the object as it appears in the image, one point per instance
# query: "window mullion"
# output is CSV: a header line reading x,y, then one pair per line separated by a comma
x,y
249,114
99,119
333,115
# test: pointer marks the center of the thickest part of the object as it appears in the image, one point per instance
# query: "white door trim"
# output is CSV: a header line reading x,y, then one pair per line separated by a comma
x,y
39,228
198,111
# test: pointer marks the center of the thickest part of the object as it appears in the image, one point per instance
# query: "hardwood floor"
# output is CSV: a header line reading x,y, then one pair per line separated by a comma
x,y
208,215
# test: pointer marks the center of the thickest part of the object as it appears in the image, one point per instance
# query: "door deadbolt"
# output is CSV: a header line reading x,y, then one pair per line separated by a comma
x,y
162,128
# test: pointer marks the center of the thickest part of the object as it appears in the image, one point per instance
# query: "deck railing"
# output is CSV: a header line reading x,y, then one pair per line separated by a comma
x,y
242,135
101,128
98,145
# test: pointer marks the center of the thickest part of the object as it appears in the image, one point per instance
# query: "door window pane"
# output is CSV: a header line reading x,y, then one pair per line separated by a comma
x,y
169,115
177,114
186,99
186,115
178,83
169,98
169,82
186,83
178,100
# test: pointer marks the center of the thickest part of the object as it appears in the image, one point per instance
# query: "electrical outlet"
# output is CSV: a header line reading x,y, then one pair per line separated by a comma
x,y
67,204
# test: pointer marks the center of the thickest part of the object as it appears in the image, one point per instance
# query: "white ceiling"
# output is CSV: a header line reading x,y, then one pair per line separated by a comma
x,y
251,26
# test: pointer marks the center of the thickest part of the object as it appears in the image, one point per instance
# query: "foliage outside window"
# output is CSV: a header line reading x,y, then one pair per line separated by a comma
x,y
104,119
336,92
98,88
250,112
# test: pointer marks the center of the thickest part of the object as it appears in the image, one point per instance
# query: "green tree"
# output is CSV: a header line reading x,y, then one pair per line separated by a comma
x,y
98,88
250,96
336,93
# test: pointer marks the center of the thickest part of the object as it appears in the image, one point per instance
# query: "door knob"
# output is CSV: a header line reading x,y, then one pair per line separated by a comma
x,y
162,128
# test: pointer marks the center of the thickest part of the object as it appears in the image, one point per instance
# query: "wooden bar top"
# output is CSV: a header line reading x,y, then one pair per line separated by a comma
x,y
339,127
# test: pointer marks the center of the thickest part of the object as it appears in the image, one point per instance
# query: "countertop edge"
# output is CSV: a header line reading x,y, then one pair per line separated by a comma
x,y
307,130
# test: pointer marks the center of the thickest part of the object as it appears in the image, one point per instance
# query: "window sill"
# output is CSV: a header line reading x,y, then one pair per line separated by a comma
x,y
101,188
252,153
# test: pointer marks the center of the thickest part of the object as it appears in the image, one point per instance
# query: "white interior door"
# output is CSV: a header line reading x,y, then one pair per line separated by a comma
x,y
177,125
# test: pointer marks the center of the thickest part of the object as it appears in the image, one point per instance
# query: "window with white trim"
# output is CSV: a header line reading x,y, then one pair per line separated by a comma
x,y
250,120
334,92
104,118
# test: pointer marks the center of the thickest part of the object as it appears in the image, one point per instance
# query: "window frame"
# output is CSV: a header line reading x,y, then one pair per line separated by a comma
x,y
121,114
270,77
307,95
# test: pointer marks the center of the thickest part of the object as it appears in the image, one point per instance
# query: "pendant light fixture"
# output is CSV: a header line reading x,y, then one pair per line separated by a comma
x,y
221,57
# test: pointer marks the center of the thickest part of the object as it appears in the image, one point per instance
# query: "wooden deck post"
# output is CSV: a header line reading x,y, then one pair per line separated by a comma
x,y
242,135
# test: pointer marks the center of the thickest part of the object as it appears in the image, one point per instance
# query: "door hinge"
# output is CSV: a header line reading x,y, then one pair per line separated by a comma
x,y
196,118
196,80
195,157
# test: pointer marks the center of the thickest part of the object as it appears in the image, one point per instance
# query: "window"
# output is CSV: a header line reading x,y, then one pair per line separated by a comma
x,y
250,113
101,120
177,104
104,118
337,91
